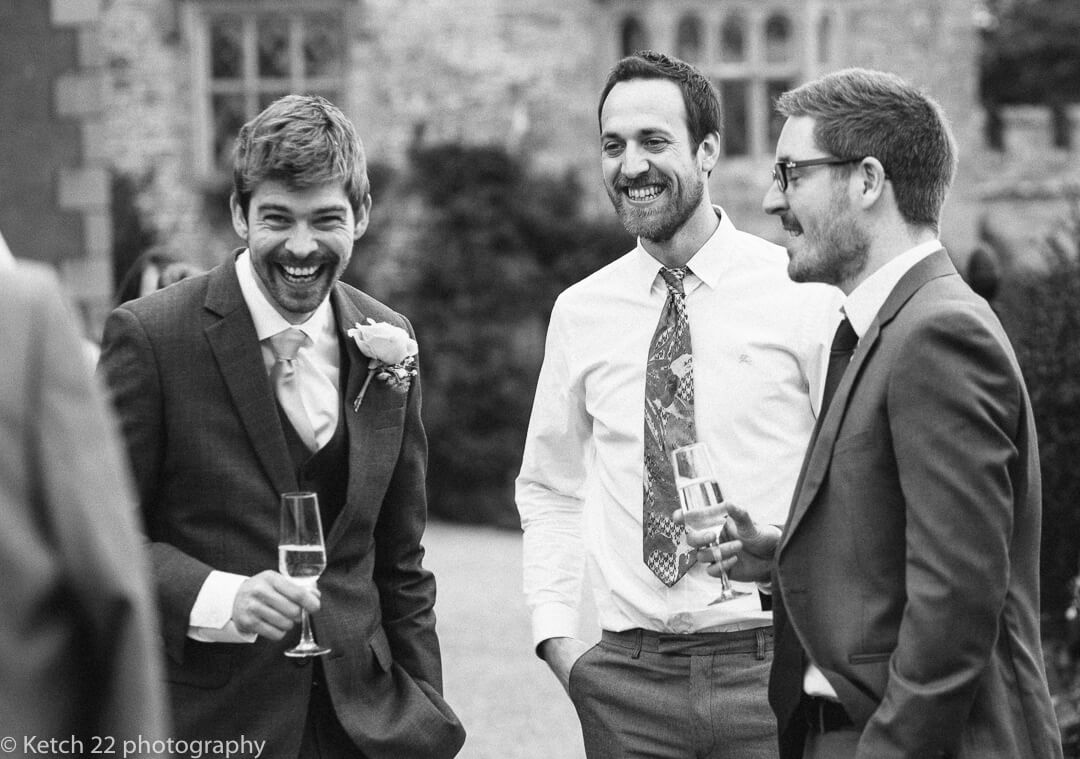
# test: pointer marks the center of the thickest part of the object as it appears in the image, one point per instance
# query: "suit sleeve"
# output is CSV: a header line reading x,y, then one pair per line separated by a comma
x,y
955,403
87,497
406,588
130,369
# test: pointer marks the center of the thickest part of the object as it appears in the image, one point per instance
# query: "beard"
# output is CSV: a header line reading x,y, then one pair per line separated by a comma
x,y
833,252
658,223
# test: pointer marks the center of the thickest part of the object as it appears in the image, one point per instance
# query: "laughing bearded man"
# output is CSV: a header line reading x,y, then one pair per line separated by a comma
x,y
623,384
205,375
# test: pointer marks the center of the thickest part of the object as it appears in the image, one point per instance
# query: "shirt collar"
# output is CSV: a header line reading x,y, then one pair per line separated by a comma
x,y
864,302
706,266
268,322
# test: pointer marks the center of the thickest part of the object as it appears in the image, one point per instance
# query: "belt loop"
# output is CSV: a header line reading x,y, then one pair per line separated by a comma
x,y
760,654
638,634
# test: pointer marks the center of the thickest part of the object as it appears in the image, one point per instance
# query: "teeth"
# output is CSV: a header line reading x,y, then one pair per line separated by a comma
x,y
644,193
300,271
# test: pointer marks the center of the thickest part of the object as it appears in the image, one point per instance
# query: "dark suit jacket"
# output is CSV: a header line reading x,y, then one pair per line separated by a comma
x,y
211,459
909,566
79,648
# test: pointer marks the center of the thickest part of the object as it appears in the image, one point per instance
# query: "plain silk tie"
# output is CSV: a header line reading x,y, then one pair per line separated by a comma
x,y
669,423
843,345
285,345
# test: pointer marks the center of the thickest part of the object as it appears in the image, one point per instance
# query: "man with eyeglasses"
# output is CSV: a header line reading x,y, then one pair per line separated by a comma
x,y
906,579
695,335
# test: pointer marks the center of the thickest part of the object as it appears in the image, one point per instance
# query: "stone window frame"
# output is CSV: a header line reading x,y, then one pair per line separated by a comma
x,y
210,143
748,83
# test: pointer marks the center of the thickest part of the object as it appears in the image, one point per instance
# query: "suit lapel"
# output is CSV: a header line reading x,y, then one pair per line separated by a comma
x,y
360,422
819,455
235,346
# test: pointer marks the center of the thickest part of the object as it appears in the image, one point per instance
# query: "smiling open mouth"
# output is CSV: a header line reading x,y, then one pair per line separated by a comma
x,y
645,193
300,275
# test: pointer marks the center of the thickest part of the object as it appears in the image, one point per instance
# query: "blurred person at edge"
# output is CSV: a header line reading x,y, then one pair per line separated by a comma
x,y
906,578
192,368
150,272
673,675
80,660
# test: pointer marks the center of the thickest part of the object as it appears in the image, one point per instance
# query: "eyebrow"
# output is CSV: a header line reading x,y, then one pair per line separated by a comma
x,y
279,208
650,132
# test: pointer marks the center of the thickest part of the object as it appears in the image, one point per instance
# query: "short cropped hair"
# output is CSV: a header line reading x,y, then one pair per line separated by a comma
x,y
303,141
700,97
860,113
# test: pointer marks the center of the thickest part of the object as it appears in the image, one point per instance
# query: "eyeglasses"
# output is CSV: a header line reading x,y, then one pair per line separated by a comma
x,y
781,168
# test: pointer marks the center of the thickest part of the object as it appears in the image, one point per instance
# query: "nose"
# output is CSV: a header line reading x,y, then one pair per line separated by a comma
x,y
775,201
301,242
634,162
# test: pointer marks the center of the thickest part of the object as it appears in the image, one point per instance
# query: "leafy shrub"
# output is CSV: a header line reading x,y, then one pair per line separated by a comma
x,y
1041,311
493,248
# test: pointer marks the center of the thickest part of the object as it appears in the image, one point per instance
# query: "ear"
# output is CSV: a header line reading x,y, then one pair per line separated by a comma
x,y
239,222
870,180
363,216
708,152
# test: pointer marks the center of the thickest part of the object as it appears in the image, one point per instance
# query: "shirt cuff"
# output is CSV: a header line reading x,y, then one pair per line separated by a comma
x,y
554,620
210,620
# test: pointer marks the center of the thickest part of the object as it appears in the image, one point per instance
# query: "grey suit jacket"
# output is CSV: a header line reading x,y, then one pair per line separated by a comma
x,y
909,566
79,654
210,459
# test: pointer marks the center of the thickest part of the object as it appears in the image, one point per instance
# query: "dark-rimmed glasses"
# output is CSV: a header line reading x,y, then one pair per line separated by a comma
x,y
781,168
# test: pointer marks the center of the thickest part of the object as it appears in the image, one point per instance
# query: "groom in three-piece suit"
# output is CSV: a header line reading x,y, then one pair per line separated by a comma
x,y
906,579
214,444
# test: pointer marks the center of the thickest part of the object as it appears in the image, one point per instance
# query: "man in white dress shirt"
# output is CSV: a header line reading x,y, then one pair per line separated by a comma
x,y
695,334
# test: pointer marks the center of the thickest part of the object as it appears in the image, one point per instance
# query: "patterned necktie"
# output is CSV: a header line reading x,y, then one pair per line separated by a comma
x,y
669,423
285,344
843,345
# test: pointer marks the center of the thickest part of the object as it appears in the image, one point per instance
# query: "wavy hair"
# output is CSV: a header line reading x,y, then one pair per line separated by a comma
x,y
859,113
303,141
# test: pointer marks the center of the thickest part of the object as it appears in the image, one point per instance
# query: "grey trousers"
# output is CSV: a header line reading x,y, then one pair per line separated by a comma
x,y
665,696
835,744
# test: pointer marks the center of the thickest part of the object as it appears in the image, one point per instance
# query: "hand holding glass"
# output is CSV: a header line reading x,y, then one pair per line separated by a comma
x,y
302,557
698,489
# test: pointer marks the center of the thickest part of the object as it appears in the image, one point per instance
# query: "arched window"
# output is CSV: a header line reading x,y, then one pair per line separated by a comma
x,y
778,47
733,39
633,36
688,43
825,39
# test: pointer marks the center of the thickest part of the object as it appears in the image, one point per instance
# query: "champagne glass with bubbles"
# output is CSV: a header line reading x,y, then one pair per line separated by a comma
x,y
696,482
302,557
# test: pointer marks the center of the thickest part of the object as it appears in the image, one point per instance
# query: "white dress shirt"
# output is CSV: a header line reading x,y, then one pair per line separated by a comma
x,y
319,372
861,307
759,342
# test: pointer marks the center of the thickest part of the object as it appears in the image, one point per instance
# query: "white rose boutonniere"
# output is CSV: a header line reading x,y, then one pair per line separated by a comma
x,y
392,353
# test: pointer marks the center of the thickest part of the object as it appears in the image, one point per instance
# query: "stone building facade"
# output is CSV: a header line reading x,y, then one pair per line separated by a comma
x,y
154,90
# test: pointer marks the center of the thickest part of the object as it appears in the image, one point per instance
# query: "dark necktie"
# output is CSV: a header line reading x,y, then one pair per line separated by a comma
x,y
669,423
843,345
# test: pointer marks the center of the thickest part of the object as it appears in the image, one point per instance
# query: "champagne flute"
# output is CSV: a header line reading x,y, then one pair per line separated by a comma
x,y
302,557
698,488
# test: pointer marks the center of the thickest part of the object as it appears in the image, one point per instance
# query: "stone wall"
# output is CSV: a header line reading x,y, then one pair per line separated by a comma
x,y
521,73
54,200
